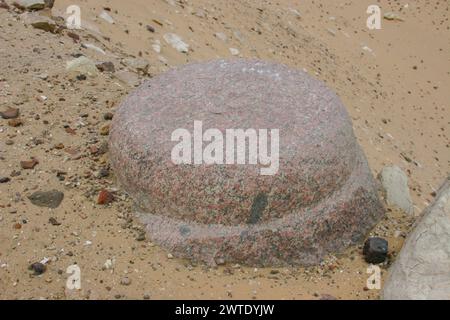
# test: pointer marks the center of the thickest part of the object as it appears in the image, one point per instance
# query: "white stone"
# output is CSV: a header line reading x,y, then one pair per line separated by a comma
x,y
395,184
422,269
222,36
176,42
234,51
93,47
156,46
105,16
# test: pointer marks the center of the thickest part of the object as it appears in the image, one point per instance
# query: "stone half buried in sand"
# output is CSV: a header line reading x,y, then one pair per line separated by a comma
x,y
319,199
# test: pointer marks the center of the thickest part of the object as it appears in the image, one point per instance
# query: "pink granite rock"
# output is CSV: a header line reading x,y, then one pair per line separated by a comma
x,y
321,200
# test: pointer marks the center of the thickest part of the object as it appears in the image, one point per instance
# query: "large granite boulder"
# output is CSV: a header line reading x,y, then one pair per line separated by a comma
x,y
422,269
320,198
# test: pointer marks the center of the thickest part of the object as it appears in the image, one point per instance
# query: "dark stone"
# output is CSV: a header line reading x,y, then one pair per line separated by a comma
x,y
4,179
38,268
108,116
375,250
50,199
54,222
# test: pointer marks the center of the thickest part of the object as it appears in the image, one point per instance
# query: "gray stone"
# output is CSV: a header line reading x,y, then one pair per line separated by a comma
x,y
395,184
30,4
129,78
40,22
422,269
50,199
125,281
82,65
106,66
222,36
322,199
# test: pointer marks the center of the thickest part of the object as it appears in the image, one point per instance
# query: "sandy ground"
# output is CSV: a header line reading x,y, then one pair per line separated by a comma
x,y
394,82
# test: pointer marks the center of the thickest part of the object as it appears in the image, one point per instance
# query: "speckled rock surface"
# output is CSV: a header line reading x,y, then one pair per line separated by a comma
x,y
322,199
422,269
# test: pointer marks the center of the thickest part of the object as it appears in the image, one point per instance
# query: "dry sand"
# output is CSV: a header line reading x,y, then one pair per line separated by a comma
x,y
394,82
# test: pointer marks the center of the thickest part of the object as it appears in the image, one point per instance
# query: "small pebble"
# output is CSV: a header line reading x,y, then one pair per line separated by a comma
x,y
375,250
38,268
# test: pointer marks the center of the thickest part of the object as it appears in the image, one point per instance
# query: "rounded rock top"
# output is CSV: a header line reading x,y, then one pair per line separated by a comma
x,y
268,173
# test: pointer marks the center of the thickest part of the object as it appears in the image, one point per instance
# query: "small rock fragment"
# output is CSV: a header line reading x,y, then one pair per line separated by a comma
x,y
106,66
105,197
375,250
222,36
10,113
137,64
54,222
129,78
38,268
29,4
50,199
29,164
395,184
41,22
125,281
176,42
105,16
104,131
141,236
15,123
93,47
82,65
109,264
75,37
392,16
234,51
4,179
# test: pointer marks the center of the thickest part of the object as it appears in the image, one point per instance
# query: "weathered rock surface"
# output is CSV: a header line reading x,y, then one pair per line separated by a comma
x,y
395,184
422,269
322,199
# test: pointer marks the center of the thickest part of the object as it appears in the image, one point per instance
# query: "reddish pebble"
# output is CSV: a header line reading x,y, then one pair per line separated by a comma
x,y
15,123
105,197
30,164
